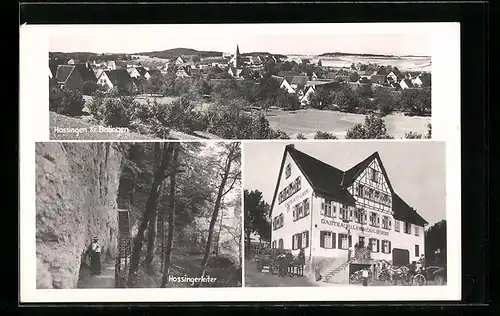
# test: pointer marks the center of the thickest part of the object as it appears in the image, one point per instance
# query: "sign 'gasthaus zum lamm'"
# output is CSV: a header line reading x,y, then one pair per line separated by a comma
x,y
326,211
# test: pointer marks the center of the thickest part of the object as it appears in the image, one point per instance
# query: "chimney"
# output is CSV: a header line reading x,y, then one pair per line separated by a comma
x,y
292,146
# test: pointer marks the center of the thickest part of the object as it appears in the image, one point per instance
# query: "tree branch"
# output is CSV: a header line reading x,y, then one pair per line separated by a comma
x,y
231,186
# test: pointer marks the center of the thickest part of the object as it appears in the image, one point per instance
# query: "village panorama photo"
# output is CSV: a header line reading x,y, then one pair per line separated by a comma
x,y
345,213
138,215
191,82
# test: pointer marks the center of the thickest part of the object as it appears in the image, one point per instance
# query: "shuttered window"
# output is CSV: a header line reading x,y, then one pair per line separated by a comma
x,y
386,246
344,241
327,239
397,224
305,239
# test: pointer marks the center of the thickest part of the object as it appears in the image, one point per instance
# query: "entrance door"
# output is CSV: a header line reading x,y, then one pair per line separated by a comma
x,y
361,241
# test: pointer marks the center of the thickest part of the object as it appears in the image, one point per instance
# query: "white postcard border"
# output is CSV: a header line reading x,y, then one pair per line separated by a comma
x,y
34,127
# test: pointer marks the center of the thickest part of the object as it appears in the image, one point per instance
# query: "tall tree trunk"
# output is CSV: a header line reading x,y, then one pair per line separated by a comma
x,y
247,241
149,209
218,234
171,220
160,233
220,195
151,238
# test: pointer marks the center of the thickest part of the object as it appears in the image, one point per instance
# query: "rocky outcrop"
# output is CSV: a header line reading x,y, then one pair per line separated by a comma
x,y
76,190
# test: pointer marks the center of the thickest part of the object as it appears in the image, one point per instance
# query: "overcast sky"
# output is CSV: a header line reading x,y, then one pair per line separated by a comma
x,y
416,169
279,38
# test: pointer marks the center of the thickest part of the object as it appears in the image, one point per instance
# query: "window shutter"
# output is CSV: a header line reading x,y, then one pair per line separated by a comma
x,y
390,223
350,240
340,241
334,240
390,249
378,245
299,241
350,214
322,239
307,239
293,242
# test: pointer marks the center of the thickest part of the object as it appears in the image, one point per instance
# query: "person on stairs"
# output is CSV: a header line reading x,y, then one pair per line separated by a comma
x,y
95,257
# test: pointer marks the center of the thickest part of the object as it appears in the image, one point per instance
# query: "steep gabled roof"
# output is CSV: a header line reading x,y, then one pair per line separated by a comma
x,y
404,212
323,178
87,74
63,73
351,174
330,182
408,82
299,80
426,79
141,70
119,77
278,79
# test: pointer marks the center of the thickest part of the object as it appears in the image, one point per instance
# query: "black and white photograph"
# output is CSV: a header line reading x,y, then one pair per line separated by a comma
x,y
328,213
138,215
239,82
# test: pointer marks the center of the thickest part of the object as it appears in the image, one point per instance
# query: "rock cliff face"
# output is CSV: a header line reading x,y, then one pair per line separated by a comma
x,y
76,190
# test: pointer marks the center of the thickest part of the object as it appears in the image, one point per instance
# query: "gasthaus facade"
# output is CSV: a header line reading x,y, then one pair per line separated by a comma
x,y
327,211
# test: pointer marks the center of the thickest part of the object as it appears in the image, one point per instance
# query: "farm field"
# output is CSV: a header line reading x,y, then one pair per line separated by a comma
x,y
405,63
309,121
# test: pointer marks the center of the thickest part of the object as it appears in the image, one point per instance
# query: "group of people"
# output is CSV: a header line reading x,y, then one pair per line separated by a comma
x,y
284,261
376,268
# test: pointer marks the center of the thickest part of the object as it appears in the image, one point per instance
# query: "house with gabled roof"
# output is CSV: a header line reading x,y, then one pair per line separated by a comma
x,y
111,65
393,77
405,84
299,82
325,211
117,79
73,77
423,80
283,84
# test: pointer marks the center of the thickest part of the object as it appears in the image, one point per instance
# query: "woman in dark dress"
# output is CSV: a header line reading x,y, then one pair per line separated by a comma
x,y
95,257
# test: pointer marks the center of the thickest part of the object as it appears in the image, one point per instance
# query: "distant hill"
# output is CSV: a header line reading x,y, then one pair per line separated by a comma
x,y
87,56
176,52
353,54
366,55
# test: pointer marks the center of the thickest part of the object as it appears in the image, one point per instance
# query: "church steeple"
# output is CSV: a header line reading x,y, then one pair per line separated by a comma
x,y
236,61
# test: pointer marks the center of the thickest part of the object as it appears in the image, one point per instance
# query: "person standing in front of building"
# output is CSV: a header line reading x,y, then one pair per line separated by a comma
x,y
282,266
365,277
95,257
302,259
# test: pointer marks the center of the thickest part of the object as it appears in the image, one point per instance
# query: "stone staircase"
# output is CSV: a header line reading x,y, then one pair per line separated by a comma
x,y
333,272
124,243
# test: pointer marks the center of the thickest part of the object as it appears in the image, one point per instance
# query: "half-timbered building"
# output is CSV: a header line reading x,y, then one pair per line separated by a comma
x,y
344,220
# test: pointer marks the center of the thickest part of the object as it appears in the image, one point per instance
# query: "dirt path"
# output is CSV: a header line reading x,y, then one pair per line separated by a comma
x,y
104,280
